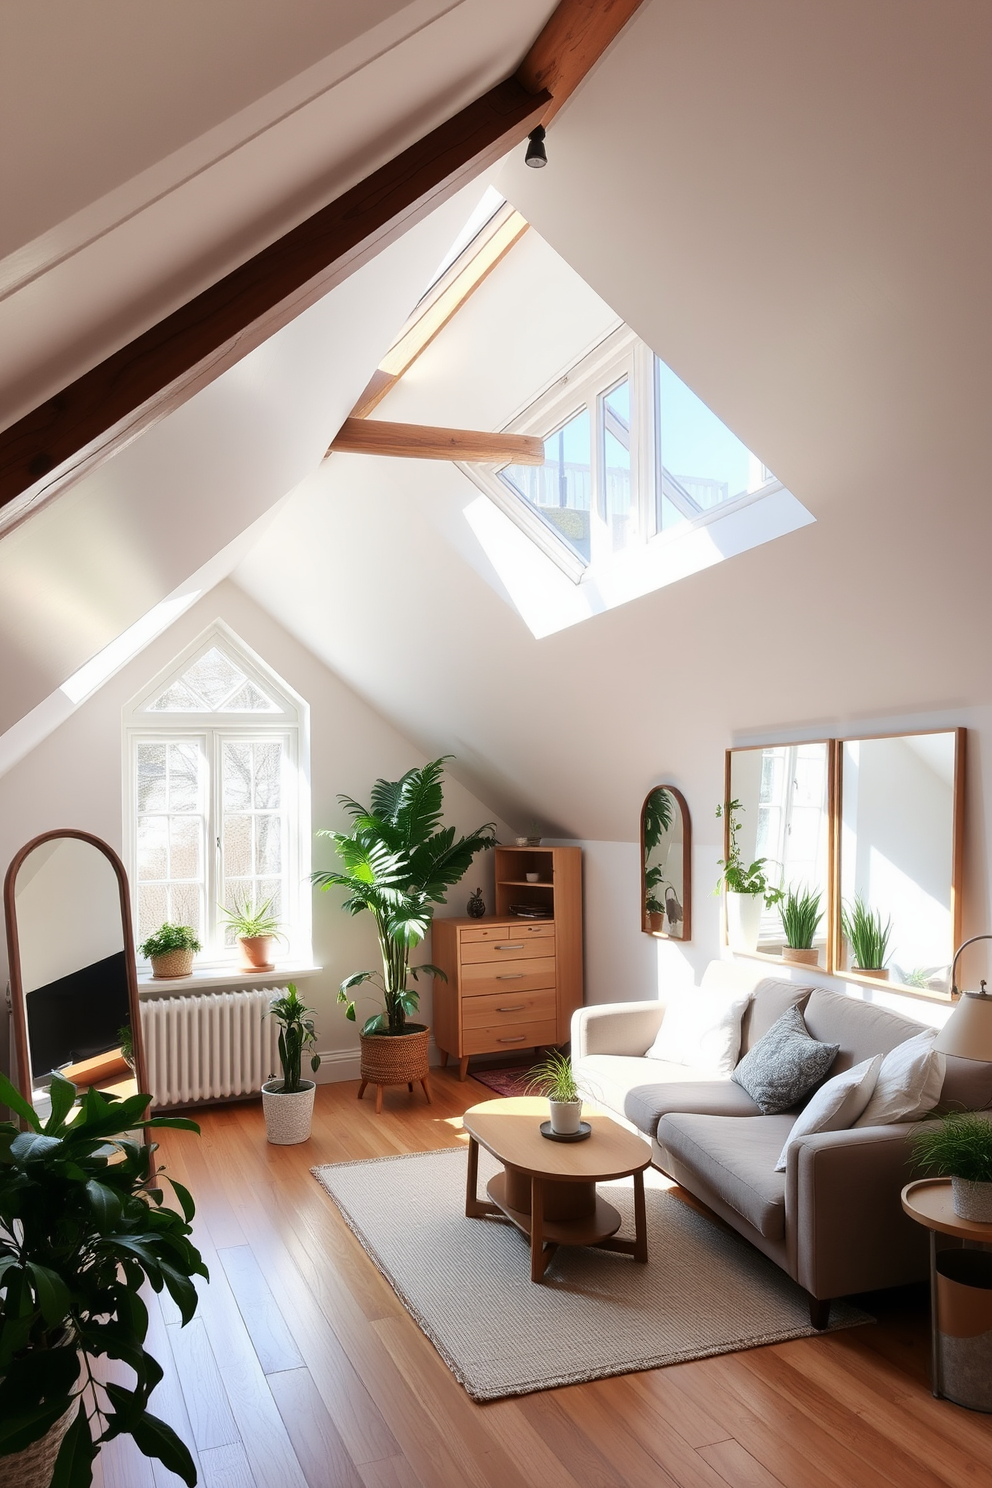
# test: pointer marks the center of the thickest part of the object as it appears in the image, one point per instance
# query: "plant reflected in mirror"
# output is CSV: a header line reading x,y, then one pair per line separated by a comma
x,y
665,877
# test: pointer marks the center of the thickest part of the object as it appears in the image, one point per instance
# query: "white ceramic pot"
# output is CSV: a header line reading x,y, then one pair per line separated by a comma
x,y
287,1117
565,1117
972,1201
744,920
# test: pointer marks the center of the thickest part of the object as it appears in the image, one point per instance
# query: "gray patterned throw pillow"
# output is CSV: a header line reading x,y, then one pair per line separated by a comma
x,y
784,1064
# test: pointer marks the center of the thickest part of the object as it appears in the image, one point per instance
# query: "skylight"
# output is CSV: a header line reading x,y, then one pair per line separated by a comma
x,y
486,209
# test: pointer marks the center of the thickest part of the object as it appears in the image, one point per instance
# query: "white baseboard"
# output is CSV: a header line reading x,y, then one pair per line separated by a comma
x,y
345,1064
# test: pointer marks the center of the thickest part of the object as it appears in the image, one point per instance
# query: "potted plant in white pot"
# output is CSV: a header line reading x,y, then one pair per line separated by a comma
x,y
553,1077
868,938
288,1103
960,1148
398,863
801,915
257,931
171,950
747,888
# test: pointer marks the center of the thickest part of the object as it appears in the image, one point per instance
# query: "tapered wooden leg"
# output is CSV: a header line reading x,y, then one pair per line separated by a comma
x,y
361,1089
463,1068
819,1312
540,1254
410,1086
378,1100
444,1058
427,1092
640,1220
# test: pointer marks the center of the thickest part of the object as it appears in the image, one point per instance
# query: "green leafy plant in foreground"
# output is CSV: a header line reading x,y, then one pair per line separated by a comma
x,y
248,921
959,1146
83,1224
398,863
296,1034
801,916
554,1078
170,938
735,877
869,938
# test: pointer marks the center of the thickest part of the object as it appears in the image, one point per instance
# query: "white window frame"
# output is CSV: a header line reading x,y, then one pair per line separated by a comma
x,y
291,726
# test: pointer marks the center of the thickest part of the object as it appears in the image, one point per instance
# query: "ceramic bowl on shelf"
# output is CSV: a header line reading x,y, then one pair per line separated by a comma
x,y
532,877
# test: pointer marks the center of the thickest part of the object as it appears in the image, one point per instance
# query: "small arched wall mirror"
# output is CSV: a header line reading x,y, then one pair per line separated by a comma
x,y
73,983
666,880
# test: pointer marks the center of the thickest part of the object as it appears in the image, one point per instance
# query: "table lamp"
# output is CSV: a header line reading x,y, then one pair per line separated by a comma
x,y
967,1034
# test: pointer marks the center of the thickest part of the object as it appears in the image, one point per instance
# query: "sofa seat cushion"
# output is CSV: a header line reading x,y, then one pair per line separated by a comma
x,y
646,1104
735,1156
607,1079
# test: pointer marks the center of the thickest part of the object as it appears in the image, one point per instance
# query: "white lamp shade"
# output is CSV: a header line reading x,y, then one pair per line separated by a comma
x,y
967,1034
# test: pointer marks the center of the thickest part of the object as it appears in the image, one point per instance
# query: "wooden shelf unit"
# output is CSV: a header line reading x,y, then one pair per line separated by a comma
x,y
513,983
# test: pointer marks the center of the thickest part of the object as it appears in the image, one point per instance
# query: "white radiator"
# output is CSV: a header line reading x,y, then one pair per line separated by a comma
x,y
213,1045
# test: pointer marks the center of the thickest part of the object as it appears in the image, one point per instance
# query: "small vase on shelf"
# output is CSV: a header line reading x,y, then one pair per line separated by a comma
x,y
476,905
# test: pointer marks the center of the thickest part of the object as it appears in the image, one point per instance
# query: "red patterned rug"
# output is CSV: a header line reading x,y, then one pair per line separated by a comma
x,y
504,1081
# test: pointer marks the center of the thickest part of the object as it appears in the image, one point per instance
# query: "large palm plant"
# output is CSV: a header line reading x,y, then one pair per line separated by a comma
x,y
398,863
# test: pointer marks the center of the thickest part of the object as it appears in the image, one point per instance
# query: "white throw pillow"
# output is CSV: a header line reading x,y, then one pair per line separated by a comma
x,y
909,1082
701,1029
836,1105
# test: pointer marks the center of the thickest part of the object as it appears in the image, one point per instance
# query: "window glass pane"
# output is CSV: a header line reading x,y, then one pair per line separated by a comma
x,y
214,684
254,827
237,776
151,777
701,463
214,677
249,699
617,512
560,490
170,802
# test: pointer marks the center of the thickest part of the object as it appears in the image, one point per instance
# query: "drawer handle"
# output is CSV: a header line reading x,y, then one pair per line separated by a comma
x,y
509,1009
511,947
509,976
517,1038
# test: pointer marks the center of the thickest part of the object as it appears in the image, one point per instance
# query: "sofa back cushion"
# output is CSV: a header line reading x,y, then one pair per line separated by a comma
x,y
772,997
860,1028
967,1085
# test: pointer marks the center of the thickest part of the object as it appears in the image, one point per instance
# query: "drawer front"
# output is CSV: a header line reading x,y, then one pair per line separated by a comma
x,y
485,932
508,1008
508,948
502,1040
533,930
509,976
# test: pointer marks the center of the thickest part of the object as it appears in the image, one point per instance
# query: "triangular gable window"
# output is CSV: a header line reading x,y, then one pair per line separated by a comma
x,y
214,683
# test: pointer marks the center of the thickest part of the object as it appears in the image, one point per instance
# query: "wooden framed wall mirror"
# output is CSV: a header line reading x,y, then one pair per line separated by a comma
x,y
899,846
666,857
73,980
784,813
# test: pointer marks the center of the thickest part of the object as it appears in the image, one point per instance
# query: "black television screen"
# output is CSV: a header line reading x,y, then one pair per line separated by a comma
x,y
78,1016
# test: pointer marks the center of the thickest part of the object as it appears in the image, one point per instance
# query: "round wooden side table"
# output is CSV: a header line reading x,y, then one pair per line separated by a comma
x,y
929,1201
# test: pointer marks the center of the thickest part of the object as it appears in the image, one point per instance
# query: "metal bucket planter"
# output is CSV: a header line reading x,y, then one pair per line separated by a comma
x,y
399,1059
288,1115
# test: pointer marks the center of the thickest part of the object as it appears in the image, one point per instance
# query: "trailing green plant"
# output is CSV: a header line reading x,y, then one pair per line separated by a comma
x,y
554,1078
81,1229
248,921
869,938
296,1036
398,863
959,1146
170,938
737,878
801,916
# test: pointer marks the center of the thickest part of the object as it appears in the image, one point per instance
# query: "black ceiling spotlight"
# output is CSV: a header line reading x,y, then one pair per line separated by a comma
x,y
537,155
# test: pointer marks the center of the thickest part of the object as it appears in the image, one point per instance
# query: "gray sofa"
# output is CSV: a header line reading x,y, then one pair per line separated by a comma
x,y
833,1220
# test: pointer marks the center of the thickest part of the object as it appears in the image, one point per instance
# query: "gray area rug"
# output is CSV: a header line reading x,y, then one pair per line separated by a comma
x,y
466,1282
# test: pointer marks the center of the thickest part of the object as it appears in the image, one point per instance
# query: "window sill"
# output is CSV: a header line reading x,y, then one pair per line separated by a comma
x,y
233,977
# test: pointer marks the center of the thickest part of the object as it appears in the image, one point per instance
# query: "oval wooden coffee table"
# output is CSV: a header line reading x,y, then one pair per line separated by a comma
x,y
548,1189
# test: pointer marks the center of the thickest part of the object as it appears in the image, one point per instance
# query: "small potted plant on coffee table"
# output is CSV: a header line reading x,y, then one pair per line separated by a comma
x,y
171,950
554,1078
257,932
288,1103
960,1148
868,937
801,916
747,887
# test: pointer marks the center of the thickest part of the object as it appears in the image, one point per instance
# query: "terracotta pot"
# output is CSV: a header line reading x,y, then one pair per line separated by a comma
x,y
256,952
288,1117
880,973
396,1060
656,920
172,964
33,1467
801,955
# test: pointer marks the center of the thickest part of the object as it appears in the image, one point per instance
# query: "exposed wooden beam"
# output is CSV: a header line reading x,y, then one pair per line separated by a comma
x,y
110,405
575,37
359,436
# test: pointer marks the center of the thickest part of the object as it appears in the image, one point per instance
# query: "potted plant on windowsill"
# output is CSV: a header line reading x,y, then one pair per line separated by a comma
x,y
257,932
171,950
747,888
553,1077
288,1103
399,862
801,916
868,937
81,1230
960,1148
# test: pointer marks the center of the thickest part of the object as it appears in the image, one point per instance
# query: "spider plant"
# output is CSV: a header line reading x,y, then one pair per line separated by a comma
x,y
553,1077
801,916
249,921
868,937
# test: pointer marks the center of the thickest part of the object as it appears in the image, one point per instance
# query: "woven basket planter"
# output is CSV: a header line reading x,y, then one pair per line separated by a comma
x,y
172,964
801,955
399,1060
33,1467
287,1117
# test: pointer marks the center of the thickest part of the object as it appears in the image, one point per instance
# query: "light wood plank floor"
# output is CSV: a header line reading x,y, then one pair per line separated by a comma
x,y
302,1370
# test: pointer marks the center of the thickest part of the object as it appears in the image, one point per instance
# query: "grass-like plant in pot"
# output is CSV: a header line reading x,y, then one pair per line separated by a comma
x,y
867,936
747,887
81,1230
399,862
801,915
171,950
257,931
288,1103
553,1077
959,1147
